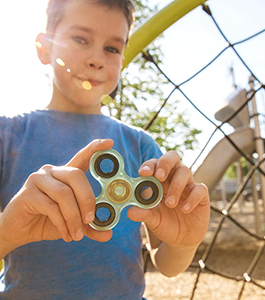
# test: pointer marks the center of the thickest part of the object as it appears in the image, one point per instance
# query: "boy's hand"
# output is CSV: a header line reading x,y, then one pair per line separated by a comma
x,y
54,203
182,216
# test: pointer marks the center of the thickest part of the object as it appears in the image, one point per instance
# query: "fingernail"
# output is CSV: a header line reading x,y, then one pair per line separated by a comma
x,y
186,207
68,238
145,168
89,217
80,234
171,201
160,173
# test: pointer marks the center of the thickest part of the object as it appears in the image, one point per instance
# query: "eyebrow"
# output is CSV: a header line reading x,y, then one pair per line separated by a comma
x,y
89,30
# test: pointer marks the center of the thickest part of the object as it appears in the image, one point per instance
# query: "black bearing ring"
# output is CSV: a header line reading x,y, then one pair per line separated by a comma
x,y
139,188
109,220
106,174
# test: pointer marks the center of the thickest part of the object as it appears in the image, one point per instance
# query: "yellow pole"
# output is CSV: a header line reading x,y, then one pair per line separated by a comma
x,y
145,34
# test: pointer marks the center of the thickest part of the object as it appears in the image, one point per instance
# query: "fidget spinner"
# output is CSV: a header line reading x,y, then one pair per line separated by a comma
x,y
118,190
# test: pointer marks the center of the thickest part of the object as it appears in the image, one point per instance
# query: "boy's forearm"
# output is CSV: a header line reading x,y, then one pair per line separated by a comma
x,y
170,260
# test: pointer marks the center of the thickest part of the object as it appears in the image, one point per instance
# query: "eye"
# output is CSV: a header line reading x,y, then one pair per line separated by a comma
x,y
112,50
79,40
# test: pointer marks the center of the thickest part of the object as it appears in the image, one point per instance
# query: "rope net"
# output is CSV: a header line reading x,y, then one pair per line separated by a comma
x,y
223,210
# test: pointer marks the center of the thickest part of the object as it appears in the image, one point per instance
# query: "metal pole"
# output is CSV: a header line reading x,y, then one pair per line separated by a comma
x,y
238,182
256,203
223,192
259,143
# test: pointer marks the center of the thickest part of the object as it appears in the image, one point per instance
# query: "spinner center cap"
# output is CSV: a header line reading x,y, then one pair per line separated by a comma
x,y
119,191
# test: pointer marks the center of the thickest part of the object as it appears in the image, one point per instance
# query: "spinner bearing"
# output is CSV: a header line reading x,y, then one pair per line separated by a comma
x,y
118,190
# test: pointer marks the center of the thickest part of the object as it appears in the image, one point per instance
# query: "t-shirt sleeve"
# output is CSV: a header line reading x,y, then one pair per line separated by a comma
x,y
150,148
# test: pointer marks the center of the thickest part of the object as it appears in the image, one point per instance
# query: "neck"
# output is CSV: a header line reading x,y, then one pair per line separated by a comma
x,y
61,103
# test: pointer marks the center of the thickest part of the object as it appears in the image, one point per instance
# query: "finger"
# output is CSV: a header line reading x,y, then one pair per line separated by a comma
x,y
52,211
148,167
162,167
182,181
43,205
149,216
166,164
82,158
82,190
63,195
99,236
198,196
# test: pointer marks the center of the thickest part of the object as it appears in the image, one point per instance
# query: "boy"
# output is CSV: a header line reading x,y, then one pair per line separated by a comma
x,y
50,250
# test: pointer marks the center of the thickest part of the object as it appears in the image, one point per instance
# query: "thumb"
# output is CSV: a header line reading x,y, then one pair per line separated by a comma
x,y
149,216
82,157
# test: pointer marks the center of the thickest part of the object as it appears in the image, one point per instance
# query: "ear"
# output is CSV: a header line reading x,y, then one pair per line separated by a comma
x,y
43,44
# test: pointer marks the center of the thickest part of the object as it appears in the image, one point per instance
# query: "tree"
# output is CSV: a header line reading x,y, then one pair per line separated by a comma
x,y
140,95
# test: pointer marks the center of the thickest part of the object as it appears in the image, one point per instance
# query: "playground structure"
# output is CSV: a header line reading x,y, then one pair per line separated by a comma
x,y
244,137
240,111
244,141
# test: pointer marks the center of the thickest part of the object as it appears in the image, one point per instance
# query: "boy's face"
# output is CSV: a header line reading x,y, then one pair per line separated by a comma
x,y
86,54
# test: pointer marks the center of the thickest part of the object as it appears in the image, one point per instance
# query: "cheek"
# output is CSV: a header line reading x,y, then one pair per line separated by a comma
x,y
115,70
65,59
60,74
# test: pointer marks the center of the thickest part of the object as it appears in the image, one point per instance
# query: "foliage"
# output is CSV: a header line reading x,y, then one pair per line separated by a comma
x,y
141,94
231,172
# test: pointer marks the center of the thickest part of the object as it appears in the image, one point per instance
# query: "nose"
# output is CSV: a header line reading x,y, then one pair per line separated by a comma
x,y
95,60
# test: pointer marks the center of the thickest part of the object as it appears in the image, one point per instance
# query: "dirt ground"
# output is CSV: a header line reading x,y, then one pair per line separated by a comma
x,y
232,254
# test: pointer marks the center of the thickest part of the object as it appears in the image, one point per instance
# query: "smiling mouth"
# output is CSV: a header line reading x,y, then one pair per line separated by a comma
x,y
83,83
94,82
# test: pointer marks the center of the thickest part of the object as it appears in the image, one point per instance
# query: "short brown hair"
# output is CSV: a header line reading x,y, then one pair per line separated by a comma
x,y
56,8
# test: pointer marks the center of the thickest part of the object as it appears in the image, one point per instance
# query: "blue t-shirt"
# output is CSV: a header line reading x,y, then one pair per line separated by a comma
x,y
77,270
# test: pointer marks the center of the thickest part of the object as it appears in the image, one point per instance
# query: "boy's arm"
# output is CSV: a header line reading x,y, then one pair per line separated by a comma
x,y
54,203
170,260
179,223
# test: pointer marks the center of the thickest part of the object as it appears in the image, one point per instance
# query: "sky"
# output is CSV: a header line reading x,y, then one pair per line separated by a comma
x,y
188,45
